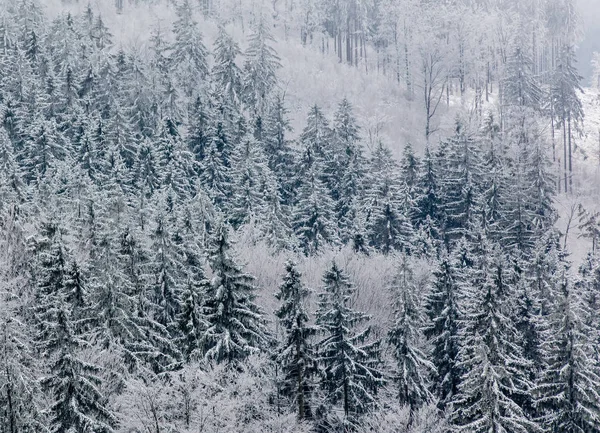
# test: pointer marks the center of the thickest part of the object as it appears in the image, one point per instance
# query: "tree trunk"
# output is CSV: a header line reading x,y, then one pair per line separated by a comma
x,y
565,151
570,156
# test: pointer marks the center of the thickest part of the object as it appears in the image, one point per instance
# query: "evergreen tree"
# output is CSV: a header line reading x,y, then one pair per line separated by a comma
x,y
191,320
493,365
226,76
348,358
462,185
443,307
567,390
250,175
405,337
260,68
189,53
235,325
78,403
278,148
312,219
427,198
295,353
388,226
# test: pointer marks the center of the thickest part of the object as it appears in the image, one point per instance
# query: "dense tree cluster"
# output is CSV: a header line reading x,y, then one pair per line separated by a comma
x,y
124,174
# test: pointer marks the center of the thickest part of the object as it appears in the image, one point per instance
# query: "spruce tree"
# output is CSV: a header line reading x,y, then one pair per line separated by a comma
x,y
235,324
312,218
443,308
349,359
278,148
567,392
295,353
78,403
492,363
189,53
389,228
260,68
226,76
405,337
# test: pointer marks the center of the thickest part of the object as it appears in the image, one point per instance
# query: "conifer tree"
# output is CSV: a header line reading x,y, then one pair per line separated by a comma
x,y
226,75
492,363
250,175
348,358
427,199
296,353
567,392
388,226
189,53
443,307
462,184
405,336
278,148
260,68
191,320
166,271
312,219
235,325
75,385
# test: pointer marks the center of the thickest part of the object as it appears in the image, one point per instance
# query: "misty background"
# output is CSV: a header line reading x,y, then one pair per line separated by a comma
x,y
589,11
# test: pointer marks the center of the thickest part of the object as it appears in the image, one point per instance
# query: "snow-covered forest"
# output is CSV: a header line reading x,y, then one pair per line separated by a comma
x,y
298,216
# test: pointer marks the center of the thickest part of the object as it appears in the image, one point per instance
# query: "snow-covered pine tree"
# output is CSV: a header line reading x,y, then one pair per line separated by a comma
x,y
249,173
191,320
78,403
278,148
346,171
462,184
215,172
567,391
226,75
20,405
348,357
295,353
492,363
443,306
427,199
413,367
312,218
166,272
260,68
388,227
235,324
188,51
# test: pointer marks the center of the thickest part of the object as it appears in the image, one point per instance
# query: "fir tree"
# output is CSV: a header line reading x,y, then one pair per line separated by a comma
x,y
278,148
313,213
443,308
348,358
235,325
226,76
388,226
78,403
295,353
492,363
567,390
189,53
406,339
260,68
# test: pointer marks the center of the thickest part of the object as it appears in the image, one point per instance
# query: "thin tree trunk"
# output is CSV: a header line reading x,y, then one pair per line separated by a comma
x,y
565,152
570,156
